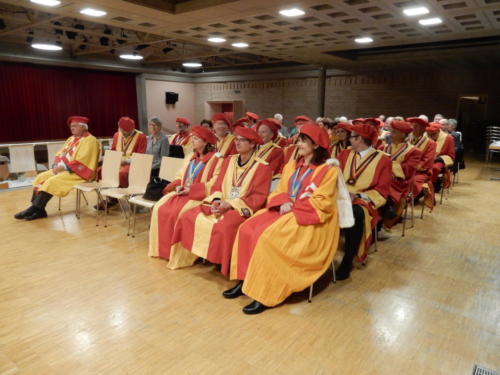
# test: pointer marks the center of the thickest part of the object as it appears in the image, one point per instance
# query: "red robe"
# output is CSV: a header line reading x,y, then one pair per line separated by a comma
x,y
291,153
273,155
445,150
336,148
281,141
137,142
226,146
423,175
168,209
375,182
211,236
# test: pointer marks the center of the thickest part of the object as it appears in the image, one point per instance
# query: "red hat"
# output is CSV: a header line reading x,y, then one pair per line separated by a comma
x,y
317,134
366,131
302,118
80,119
418,120
126,123
271,124
344,125
249,134
402,126
252,115
373,121
183,120
433,128
221,117
204,133
358,120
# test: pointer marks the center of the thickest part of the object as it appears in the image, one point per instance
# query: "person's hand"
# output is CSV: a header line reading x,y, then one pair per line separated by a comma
x,y
182,190
58,169
285,208
219,207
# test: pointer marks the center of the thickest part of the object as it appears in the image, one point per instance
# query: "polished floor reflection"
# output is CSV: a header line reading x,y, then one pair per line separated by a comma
x,y
81,299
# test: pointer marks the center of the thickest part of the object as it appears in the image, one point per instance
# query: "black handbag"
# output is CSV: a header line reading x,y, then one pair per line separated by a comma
x,y
155,188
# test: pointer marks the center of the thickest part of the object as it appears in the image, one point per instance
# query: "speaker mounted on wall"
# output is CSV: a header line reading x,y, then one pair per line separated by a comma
x,y
171,97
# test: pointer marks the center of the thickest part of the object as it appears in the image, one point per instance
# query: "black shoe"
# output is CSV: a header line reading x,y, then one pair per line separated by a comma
x,y
254,308
39,213
101,206
234,292
23,214
342,273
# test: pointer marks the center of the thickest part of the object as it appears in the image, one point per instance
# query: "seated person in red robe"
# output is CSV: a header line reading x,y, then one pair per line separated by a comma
x,y
225,140
445,155
269,151
241,188
183,135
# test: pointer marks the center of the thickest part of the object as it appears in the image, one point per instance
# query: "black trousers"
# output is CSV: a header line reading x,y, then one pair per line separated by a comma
x,y
353,237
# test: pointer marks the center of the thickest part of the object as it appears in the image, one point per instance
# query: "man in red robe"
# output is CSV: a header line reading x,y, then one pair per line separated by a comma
x,y
252,119
377,125
405,159
445,155
241,188
183,135
225,140
368,173
427,147
269,151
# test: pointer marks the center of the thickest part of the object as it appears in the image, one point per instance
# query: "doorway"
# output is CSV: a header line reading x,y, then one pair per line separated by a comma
x,y
232,108
471,113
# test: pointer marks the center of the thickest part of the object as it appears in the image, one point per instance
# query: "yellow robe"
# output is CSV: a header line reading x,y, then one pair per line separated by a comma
x,y
81,158
289,252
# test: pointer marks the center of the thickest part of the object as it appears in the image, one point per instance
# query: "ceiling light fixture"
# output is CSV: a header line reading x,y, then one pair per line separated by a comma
x,y
417,11
93,12
128,56
430,21
216,39
240,45
46,46
192,64
292,12
363,40
49,3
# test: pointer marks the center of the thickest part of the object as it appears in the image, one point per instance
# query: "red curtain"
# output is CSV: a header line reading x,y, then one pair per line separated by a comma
x,y
35,101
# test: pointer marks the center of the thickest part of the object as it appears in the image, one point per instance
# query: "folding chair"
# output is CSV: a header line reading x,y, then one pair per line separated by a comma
x,y
138,178
110,179
334,280
409,199
168,170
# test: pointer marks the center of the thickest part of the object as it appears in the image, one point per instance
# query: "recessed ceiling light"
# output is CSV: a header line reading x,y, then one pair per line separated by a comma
x,y
430,21
46,46
128,56
192,64
216,39
363,40
418,11
49,3
240,45
93,12
292,12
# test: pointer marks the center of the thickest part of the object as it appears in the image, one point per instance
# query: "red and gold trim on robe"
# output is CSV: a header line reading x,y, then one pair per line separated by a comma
x,y
422,178
445,148
73,159
137,142
273,155
337,147
172,206
226,146
374,181
199,233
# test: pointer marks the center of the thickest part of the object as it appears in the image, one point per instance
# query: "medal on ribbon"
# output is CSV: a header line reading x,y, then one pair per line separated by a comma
x,y
192,171
235,191
355,171
296,182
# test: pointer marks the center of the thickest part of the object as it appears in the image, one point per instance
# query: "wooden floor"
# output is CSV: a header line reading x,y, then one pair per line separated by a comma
x,y
81,299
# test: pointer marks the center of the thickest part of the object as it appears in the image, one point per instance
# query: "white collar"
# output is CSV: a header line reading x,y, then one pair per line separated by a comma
x,y
365,152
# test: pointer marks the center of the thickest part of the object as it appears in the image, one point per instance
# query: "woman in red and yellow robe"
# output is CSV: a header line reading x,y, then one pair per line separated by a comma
x,y
208,231
187,191
341,131
290,244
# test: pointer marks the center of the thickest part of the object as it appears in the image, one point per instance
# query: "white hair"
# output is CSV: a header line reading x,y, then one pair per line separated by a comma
x,y
82,124
443,121
278,116
438,116
318,119
388,120
343,119
453,123
155,120
424,117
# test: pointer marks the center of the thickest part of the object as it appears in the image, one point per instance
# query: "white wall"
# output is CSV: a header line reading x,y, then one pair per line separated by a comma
x,y
155,102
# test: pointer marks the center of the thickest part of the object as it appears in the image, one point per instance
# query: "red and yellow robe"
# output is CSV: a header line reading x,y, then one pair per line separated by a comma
x,y
80,156
183,139
337,147
405,159
273,155
291,153
281,141
171,206
136,142
423,175
226,146
199,233
445,150
278,255
374,181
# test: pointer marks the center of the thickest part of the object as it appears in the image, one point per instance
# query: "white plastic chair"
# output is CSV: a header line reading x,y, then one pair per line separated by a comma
x,y
138,178
168,170
22,158
110,179
52,149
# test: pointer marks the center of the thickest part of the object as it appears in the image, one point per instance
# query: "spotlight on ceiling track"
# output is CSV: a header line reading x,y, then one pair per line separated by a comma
x,y
93,12
192,64
128,56
46,46
292,12
216,39
430,21
416,11
363,40
49,3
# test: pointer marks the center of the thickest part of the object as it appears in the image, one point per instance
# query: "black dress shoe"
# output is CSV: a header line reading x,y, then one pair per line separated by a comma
x,y
23,214
254,308
342,275
234,292
39,213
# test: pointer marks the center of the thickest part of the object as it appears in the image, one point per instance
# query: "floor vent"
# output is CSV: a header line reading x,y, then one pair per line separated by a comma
x,y
480,370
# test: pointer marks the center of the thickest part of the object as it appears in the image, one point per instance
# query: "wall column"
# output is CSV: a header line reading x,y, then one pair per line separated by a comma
x,y
321,91
140,87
